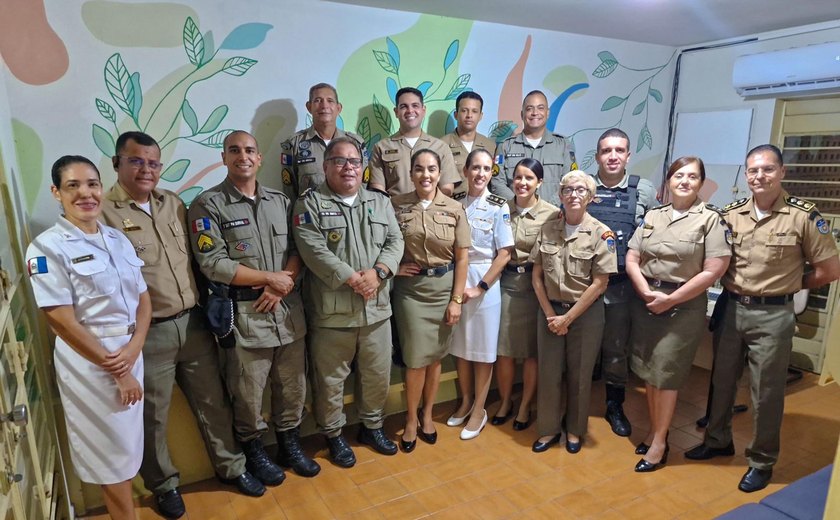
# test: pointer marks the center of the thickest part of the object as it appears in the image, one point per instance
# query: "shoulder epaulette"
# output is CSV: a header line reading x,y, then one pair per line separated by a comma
x,y
561,136
737,204
377,190
359,139
496,200
714,208
804,205
660,207
459,196
306,192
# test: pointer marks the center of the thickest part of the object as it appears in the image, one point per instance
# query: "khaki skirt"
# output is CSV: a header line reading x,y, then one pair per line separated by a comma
x,y
518,325
419,304
664,344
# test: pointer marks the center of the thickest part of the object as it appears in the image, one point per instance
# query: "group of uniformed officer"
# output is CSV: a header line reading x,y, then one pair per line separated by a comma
x,y
251,243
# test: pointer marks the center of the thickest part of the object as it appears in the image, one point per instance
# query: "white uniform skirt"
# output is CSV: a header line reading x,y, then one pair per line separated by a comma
x,y
105,437
476,336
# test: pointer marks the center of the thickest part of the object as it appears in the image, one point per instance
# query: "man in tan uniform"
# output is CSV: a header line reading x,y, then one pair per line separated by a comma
x,y
555,153
773,236
240,238
302,158
351,244
178,346
465,138
390,162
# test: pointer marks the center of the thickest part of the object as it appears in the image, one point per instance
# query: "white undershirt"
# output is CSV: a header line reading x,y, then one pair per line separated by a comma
x,y
571,229
677,213
411,141
145,206
96,238
522,211
327,141
468,145
426,203
350,199
760,214
533,142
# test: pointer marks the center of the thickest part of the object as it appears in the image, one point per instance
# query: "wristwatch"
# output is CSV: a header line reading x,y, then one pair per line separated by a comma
x,y
483,285
381,273
457,298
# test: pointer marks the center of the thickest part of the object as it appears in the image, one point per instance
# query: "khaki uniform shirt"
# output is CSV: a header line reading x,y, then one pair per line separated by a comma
x,y
673,250
302,160
390,162
769,255
527,227
460,153
555,153
569,263
336,240
161,241
431,235
228,229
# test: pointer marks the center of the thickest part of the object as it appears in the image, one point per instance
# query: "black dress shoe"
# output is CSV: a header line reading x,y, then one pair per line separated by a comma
x,y
755,479
499,420
519,426
644,466
408,446
573,447
539,446
170,504
375,438
340,452
704,452
246,483
642,448
428,438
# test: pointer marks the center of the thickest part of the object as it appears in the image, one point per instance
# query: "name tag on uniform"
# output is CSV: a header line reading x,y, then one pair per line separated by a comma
x,y
80,259
235,223
515,155
456,152
329,214
390,152
128,225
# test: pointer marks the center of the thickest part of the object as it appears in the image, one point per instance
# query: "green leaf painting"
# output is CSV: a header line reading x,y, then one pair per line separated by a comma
x,y
459,86
639,108
607,66
451,54
655,94
106,110
209,49
238,65
612,102
246,36
645,139
588,160
214,120
383,116
103,140
193,43
394,52
501,130
175,171
386,61
364,128
119,85
189,116
217,140
189,194
138,96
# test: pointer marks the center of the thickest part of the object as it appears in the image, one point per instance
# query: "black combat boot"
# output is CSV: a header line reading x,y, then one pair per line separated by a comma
x,y
615,413
291,455
259,465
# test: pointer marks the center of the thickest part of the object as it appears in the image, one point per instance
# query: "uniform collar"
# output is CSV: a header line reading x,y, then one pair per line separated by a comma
x,y
423,137
234,195
778,207
621,185
546,138
362,195
69,231
311,134
481,201
120,197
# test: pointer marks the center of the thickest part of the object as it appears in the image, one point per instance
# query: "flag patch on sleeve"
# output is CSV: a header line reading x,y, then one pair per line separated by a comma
x,y
303,218
201,224
37,265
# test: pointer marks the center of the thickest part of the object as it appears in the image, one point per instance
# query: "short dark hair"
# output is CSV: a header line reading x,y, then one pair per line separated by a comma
x,y
683,162
767,148
407,90
319,86
341,140
469,94
141,138
533,92
237,132
476,151
613,132
66,161
533,165
418,153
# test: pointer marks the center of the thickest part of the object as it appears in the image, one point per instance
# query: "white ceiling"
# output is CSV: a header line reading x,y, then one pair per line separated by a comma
x,y
675,23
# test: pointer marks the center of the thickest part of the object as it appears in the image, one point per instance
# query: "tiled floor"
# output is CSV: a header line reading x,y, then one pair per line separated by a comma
x,y
497,475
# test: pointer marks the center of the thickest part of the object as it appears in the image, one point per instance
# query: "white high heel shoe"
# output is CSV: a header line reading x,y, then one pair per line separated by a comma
x,y
458,421
472,434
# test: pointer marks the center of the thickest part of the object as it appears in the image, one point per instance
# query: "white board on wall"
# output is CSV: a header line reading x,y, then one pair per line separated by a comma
x,y
719,137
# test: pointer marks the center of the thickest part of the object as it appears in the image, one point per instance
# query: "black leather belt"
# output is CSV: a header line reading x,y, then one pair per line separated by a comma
x,y
654,282
244,294
173,317
617,278
761,300
565,305
524,268
436,271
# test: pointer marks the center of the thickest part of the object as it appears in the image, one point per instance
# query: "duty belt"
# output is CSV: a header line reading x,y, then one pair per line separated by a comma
x,y
761,300
244,294
436,271
523,268
654,282
170,318
617,278
108,331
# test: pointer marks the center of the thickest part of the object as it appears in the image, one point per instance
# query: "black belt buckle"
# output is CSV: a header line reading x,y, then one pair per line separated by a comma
x,y
432,271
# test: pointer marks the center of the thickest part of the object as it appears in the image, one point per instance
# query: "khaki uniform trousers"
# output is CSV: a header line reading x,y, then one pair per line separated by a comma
x,y
332,350
615,348
249,371
183,350
764,334
573,354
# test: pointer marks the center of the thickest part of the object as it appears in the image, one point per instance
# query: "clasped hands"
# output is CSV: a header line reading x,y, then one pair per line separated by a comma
x,y
364,283
279,285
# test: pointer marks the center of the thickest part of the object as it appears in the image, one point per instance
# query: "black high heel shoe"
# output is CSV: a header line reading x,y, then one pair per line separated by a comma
x,y
428,438
408,446
519,426
644,466
539,446
642,448
573,447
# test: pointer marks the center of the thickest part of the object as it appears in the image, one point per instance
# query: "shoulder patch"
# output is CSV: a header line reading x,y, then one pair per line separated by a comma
x,y
496,200
736,204
37,265
663,206
306,192
804,205
459,195
714,208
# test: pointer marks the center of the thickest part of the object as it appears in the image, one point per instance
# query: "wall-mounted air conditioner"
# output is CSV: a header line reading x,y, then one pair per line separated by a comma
x,y
810,70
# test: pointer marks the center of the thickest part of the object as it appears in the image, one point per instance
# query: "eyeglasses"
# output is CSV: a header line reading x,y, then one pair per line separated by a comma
x,y
580,191
767,170
138,163
341,161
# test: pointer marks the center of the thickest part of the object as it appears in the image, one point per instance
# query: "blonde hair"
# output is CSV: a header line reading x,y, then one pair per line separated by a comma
x,y
578,175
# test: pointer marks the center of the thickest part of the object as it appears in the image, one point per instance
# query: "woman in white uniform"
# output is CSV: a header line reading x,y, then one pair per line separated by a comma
x,y
475,338
86,278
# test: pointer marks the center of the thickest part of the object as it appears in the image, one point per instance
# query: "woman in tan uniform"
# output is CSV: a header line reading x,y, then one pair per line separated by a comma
x,y
428,288
676,253
573,257
518,330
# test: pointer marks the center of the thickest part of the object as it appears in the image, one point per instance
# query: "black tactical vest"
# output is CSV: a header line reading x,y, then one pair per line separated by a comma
x,y
617,209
